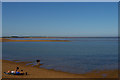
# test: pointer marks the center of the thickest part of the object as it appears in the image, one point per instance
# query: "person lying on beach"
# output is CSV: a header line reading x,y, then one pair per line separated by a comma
x,y
9,72
16,72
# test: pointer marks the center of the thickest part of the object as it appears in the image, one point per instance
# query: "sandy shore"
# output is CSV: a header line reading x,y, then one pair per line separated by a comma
x,y
10,40
36,72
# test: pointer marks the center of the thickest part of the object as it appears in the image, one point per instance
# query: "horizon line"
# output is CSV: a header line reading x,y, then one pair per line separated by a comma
x,y
63,36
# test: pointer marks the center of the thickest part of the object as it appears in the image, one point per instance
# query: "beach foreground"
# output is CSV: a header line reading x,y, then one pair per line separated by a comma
x,y
36,72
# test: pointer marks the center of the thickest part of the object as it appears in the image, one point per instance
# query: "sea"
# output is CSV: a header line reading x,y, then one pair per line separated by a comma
x,y
79,56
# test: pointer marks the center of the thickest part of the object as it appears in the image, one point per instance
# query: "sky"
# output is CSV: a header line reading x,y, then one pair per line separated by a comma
x,y
65,19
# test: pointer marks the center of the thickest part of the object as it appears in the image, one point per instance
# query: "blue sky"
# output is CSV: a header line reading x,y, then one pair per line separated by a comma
x,y
70,19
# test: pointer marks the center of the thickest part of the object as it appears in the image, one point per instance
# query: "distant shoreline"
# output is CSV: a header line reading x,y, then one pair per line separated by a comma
x,y
10,40
45,39
57,37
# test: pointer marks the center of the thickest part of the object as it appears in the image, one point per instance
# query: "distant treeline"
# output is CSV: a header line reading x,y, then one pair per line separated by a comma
x,y
55,37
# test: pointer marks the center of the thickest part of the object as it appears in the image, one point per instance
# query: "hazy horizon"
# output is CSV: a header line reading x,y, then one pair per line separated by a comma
x,y
63,36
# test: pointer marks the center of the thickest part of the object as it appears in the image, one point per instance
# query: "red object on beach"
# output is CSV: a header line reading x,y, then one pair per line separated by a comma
x,y
9,71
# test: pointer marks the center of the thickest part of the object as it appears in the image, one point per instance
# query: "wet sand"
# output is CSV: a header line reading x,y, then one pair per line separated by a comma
x,y
10,40
36,72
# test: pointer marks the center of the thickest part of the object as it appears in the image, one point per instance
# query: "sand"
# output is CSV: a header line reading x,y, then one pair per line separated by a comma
x,y
36,72
10,40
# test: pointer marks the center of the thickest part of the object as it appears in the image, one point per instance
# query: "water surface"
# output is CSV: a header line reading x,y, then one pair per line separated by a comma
x,y
79,56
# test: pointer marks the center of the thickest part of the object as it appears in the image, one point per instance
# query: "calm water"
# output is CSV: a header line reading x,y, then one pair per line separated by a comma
x,y
79,56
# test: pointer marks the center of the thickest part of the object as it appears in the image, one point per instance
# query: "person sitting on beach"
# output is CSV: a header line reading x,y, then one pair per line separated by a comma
x,y
17,69
38,62
21,72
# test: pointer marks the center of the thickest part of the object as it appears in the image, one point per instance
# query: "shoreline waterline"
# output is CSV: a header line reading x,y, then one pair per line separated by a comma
x,y
37,72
